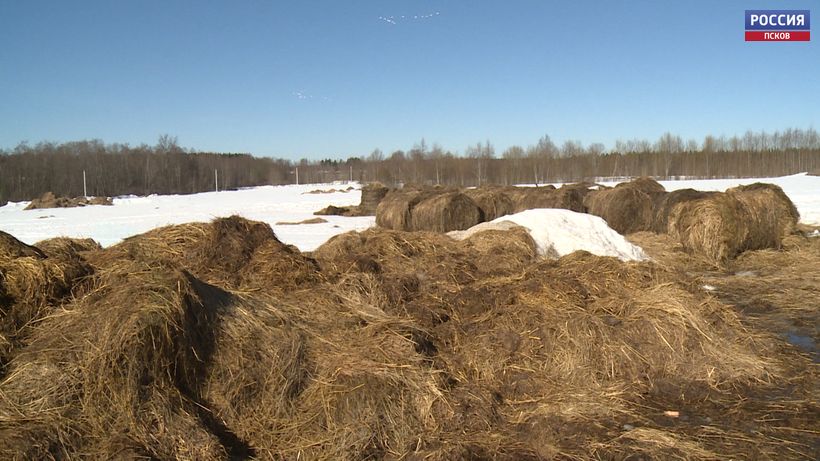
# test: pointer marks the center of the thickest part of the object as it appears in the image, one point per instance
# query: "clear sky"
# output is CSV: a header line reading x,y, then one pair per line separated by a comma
x,y
338,78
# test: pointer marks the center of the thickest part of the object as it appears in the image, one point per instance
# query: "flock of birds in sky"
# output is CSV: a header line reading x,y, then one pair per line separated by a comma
x,y
394,20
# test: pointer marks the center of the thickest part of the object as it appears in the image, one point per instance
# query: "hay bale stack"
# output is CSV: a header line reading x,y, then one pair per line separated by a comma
x,y
529,198
666,202
494,202
715,227
773,215
372,194
723,225
445,212
625,209
394,211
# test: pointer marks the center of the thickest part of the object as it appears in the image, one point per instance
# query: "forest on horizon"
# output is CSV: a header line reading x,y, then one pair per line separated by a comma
x,y
28,171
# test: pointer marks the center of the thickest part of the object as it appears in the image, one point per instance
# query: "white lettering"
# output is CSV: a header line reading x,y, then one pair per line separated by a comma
x,y
776,36
754,18
801,20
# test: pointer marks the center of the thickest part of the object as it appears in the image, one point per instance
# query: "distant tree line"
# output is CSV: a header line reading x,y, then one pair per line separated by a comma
x,y
28,171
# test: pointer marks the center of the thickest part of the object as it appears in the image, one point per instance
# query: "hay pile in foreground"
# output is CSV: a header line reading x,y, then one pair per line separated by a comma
x,y
49,200
34,281
197,342
723,225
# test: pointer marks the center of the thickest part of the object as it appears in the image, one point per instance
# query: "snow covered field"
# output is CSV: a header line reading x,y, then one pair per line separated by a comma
x,y
134,215
272,204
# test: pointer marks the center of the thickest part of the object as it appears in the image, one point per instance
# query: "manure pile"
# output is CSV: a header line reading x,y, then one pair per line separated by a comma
x,y
49,200
213,341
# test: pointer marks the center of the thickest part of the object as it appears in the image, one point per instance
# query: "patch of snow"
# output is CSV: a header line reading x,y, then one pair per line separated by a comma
x,y
560,232
708,287
745,274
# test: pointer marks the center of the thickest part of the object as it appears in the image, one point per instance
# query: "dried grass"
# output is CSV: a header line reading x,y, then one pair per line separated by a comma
x,y
528,198
723,225
445,212
394,211
493,201
666,202
626,209
49,200
396,345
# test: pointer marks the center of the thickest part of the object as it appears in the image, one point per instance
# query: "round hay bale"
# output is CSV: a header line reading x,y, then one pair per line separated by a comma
x,y
494,202
529,198
583,188
773,215
625,209
445,212
723,225
394,211
715,227
666,202
644,184
372,195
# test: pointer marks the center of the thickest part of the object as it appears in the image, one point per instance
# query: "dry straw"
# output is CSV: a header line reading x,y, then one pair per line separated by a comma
x,y
445,212
390,345
721,226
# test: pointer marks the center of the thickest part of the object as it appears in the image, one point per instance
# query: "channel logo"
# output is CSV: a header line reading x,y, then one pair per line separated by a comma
x,y
778,26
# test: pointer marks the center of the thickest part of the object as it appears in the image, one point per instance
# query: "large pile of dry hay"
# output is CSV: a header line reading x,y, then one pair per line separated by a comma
x,y
625,209
34,281
405,346
723,225
494,202
217,252
666,202
445,212
49,200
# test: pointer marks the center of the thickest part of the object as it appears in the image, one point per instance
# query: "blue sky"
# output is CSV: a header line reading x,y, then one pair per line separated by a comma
x,y
330,78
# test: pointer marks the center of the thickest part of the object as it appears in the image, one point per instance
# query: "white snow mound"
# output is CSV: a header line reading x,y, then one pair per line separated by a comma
x,y
560,232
